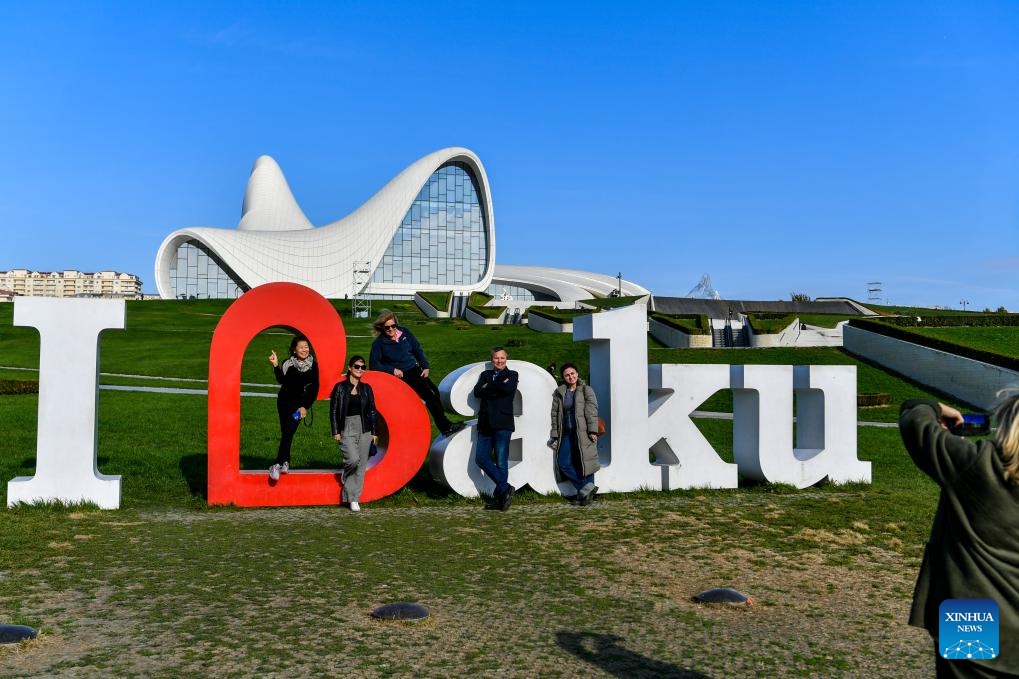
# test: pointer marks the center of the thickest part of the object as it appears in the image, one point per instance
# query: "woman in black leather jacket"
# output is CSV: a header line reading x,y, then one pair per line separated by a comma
x,y
352,416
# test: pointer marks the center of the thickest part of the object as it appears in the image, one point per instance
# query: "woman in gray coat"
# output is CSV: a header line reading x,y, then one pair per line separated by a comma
x,y
574,435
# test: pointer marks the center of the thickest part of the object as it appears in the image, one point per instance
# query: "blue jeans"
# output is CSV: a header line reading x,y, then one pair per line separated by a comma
x,y
564,458
498,470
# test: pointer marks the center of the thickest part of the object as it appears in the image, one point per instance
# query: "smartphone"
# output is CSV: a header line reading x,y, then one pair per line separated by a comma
x,y
973,424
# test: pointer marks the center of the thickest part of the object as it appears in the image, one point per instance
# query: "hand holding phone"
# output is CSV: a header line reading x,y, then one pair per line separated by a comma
x,y
973,424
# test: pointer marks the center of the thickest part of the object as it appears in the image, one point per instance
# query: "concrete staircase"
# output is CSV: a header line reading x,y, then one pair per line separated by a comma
x,y
728,333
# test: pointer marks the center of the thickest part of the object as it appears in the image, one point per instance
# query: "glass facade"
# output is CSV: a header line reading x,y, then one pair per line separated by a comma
x,y
443,239
197,273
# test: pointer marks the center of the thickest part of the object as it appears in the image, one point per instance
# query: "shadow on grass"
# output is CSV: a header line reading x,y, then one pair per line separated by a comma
x,y
195,470
607,653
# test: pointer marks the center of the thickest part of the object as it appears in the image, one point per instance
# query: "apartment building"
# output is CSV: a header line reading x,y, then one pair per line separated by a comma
x,y
69,283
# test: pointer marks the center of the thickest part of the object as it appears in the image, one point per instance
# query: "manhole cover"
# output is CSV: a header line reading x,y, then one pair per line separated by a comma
x,y
401,611
12,634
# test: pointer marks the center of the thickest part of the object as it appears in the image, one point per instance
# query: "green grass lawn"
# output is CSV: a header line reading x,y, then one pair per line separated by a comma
x,y
167,586
1000,340
140,433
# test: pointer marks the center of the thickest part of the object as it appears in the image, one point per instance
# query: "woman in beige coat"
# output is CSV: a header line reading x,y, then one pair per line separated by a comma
x,y
574,435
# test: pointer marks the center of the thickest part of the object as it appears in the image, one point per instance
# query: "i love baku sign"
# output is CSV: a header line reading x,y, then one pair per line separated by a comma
x,y
651,441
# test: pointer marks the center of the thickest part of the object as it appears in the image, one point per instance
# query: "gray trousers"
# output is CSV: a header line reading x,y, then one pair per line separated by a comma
x,y
355,445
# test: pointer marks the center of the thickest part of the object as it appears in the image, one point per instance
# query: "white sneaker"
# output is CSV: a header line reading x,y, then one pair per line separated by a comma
x,y
285,467
354,507
274,472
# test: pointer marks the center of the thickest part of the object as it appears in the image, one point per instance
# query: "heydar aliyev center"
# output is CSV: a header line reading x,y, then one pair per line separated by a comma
x,y
431,228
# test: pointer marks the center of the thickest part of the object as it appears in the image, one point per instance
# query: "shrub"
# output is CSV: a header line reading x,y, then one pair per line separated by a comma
x,y
691,324
824,320
477,302
769,323
612,302
558,315
439,300
899,328
954,321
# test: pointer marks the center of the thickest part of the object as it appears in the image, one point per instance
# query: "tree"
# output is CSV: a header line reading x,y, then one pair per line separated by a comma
x,y
800,297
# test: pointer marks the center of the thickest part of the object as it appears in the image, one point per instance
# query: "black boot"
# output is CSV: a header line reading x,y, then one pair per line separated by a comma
x,y
507,498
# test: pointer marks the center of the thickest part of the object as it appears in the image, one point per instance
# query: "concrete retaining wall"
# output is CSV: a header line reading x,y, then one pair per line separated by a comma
x,y
785,338
542,324
475,318
816,336
677,339
427,309
965,379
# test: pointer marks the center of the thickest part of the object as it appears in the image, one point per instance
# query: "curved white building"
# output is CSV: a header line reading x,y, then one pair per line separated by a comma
x,y
432,227
549,284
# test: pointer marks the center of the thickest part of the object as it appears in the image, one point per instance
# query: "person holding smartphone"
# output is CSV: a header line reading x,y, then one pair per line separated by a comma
x,y
298,377
973,549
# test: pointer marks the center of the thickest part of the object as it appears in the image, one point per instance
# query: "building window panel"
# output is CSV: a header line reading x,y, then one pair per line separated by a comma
x,y
442,225
199,273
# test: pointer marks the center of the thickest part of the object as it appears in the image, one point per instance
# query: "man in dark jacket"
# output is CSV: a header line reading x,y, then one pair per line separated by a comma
x,y
496,388
397,352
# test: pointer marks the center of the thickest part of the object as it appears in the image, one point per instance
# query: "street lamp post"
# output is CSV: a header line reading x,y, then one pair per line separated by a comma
x,y
963,302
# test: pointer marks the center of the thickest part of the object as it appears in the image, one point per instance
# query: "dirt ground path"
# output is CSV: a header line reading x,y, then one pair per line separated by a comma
x,y
545,590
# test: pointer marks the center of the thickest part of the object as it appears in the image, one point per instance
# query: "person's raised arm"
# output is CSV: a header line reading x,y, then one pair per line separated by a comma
x,y
938,453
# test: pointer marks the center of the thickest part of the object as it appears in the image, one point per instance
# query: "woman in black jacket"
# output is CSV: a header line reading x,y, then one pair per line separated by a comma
x,y
352,416
298,376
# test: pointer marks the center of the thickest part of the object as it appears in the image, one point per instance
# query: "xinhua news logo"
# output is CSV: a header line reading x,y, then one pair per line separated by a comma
x,y
968,629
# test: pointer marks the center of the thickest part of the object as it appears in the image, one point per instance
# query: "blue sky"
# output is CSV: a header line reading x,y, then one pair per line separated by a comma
x,y
780,147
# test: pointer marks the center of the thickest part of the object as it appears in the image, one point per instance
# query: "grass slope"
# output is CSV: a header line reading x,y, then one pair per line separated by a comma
x,y
1000,340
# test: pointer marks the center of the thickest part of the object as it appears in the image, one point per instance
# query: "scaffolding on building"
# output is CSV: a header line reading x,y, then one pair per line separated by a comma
x,y
361,304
